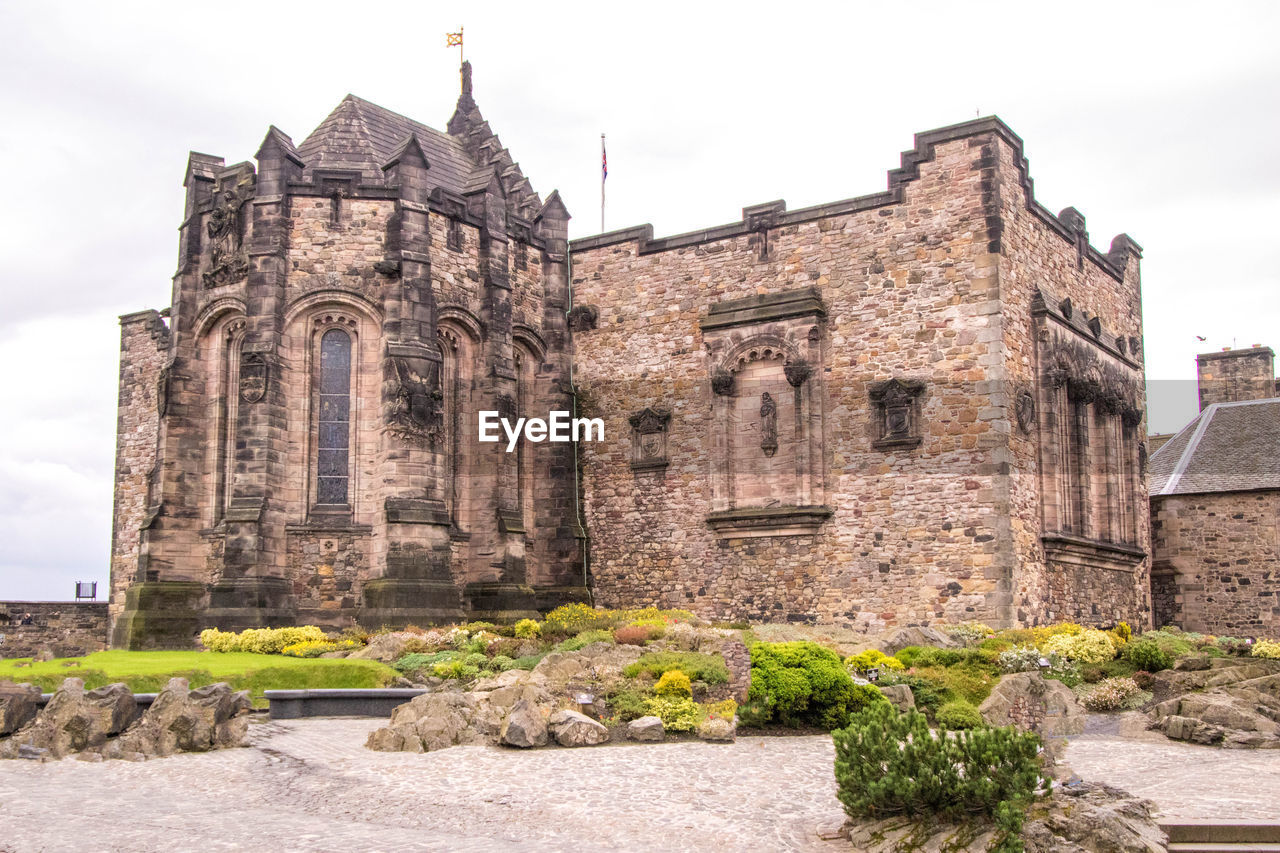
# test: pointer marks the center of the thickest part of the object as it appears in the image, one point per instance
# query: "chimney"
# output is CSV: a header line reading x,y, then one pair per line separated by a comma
x,y
1235,375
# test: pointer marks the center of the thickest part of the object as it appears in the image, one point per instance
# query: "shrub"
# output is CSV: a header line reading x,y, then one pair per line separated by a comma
x,y
500,663
807,684
1170,641
419,660
929,695
961,682
1020,659
1143,679
673,683
959,715
263,641
527,629
528,661
871,659
889,764
678,713
455,669
1122,633
1269,649
1090,673
698,666
725,709
570,619
969,633
627,704
585,639
315,648
631,635
1091,646
1147,655
907,656
1113,694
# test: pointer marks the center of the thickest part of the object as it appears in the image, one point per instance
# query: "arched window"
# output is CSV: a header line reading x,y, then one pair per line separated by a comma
x,y
333,421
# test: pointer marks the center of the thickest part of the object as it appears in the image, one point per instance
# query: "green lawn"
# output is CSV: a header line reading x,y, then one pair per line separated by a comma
x,y
147,672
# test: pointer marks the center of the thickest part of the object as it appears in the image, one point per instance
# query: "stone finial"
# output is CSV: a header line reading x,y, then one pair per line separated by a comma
x,y
466,78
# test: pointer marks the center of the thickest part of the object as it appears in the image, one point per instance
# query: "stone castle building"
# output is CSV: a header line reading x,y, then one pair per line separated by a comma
x,y
918,405
1215,503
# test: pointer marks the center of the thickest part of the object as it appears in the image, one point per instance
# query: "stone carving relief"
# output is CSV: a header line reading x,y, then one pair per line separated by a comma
x,y
254,375
1090,379
797,372
898,413
722,382
649,438
415,409
583,318
228,263
162,390
1025,410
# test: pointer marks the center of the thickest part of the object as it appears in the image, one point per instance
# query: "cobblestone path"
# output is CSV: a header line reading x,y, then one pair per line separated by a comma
x,y
311,785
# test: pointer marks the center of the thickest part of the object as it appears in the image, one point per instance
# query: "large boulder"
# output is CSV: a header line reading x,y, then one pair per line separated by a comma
x,y
647,730
1240,714
718,730
443,719
75,720
573,728
185,720
594,668
525,726
897,640
1082,818
899,696
387,648
1090,817
18,705
1032,702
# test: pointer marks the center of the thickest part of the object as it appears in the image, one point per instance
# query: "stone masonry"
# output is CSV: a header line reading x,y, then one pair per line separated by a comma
x,y
63,628
916,406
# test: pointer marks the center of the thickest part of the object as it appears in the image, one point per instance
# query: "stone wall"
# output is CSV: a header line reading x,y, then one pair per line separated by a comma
x,y
1222,553
65,628
1236,375
881,482
144,342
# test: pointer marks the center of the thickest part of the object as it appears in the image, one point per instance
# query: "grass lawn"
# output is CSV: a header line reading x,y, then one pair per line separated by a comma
x,y
147,672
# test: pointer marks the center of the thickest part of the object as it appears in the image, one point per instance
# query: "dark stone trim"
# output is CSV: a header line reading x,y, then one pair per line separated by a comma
x,y
763,308
1069,548
416,511
325,525
654,465
1066,316
766,519
1111,263
897,443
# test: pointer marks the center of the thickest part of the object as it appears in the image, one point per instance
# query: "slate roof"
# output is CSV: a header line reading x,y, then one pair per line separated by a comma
x,y
1229,447
360,135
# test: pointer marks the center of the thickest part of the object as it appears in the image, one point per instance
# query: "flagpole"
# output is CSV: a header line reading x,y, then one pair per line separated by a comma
x,y
604,173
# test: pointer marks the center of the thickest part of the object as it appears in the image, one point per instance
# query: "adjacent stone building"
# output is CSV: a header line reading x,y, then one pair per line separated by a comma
x,y
919,405
1215,504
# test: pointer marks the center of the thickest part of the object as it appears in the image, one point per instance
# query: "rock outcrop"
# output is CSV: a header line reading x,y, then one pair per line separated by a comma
x,y
525,726
897,640
18,705
105,722
899,696
573,728
647,730
1084,818
1235,711
1032,702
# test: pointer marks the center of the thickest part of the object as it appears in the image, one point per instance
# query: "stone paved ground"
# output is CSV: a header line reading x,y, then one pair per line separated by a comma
x,y
310,785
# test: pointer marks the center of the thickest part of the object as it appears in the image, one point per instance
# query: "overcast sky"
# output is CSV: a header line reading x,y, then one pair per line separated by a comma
x,y
1159,120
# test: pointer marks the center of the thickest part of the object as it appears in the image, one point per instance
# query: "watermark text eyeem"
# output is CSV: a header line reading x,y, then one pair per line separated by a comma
x,y
559,426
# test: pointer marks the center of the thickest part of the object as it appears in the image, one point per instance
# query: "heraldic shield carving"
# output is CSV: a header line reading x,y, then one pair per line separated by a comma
x,y
649,439
254,372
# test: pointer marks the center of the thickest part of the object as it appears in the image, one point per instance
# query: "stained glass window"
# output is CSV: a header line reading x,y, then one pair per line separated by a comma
x,y
334,401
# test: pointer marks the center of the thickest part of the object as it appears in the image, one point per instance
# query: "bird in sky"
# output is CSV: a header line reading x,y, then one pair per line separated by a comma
x,y
1201,338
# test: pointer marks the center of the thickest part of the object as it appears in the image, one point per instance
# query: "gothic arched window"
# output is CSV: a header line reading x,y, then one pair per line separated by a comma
x,y
333,421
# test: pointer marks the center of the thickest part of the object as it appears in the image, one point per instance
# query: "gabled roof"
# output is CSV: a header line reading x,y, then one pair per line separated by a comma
x,y
1229,447
360,135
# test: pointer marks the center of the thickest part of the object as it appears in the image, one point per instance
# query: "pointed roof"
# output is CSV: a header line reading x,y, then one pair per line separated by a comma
x,y
1229,447
361,136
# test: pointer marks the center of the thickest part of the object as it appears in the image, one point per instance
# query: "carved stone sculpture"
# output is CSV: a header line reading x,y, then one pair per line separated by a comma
x,y
768,424
415,406
227,263
722,383
254,374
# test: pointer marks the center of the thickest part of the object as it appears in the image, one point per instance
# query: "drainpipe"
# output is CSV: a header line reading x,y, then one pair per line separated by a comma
x,y
577,481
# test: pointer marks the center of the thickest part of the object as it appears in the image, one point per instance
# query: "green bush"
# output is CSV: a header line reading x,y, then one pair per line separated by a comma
x,y
1173,643
1090,646
892,764
1147,655
627,704
929,695
698,666
528,661
959,715
527,629
419,660
971,684
584,639
263,641
673,683
871,659
806,685
678,713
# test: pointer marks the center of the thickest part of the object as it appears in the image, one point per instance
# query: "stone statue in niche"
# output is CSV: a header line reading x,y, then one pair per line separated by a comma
x,y
649,438
415,408
768,424
253,377
227,263
162,390
1026,411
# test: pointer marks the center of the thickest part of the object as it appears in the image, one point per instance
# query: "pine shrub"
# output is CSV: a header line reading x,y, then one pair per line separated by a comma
x,y
959,715
892,764
1147,655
